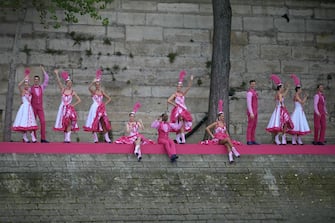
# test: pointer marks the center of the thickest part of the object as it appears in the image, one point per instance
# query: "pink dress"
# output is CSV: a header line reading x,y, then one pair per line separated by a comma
x,y
133,135
96,113
66,115
25,118
181,110
279,118
220,132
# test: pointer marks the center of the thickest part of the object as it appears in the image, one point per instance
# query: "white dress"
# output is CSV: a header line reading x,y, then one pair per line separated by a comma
x,y
25,118
66,115
279,118
299,120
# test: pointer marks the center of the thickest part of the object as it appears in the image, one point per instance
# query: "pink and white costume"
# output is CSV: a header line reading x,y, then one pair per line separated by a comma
x,y
133,135
25,118
66,115
96,113
220,132
279,118
181,111
163,129
299,121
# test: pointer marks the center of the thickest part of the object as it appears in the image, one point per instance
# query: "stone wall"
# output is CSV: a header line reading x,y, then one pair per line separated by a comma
x,y
198,188
136,52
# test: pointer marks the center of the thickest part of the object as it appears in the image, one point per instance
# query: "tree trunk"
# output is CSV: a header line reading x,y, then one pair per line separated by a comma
x,y
219,84
7,132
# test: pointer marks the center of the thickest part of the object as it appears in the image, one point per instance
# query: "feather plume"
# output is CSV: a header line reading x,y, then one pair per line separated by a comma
x,y
296,80
181,76
136,107
98,75
65,76
220,107
26,73
275,79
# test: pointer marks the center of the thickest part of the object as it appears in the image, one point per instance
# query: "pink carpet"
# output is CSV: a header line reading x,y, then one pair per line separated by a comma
x,y
104,148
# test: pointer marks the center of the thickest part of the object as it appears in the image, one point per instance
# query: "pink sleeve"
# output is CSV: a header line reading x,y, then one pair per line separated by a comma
x,y
155,124
46,81
176,126
249,98
316,101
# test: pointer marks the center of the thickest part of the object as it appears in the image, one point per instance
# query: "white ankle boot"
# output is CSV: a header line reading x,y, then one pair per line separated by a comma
x,y
107,139
95,137
230,157
277,139
237,154
294,140
283,139
300,141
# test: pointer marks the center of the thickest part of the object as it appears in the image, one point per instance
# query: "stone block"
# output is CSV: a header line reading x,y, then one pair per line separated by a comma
x,y
6,42
139,5
206,8
263,66
10,28
92,30
294,66
325,39
262,38
178,7
60,44
6,57
188,49
236,51
34,44
140,33
301,12
251,51
239,38
165,20
183,35
258,23
308,53
131,18
237,23
324,13
295,38
240,9
197,21
116,32
269,10
295,25
275,52
37,27
320,26
49,60
321,68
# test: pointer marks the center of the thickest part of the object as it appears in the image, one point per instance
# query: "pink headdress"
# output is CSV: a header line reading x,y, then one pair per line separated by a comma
x,y
181,76
65,76
26,74
98,75
276,79
220,107
296,80
137,106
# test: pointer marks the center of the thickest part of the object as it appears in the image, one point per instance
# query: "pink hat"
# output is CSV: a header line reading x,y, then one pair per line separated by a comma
x,y
220,107
296,80
98,75
137,106
276,79
65,76
181,76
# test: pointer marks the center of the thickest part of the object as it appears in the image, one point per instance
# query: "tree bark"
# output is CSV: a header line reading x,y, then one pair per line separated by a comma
x,y
219,84
7,131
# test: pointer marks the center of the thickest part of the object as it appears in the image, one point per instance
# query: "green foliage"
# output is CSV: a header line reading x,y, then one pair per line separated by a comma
x,y
26,50
172,57
131,55
199,82
208,64
71,8
88,52
107,41
118,53
78,38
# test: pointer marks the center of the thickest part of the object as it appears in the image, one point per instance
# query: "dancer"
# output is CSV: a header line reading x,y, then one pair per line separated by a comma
x,y
179,112
298,116
221,135
280,120
163,127
25,119
37,91
97,120
66,120
252,113
134,137
320,113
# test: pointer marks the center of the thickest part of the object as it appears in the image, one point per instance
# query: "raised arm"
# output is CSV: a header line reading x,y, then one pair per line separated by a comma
x,y
45,79
20,87
91,88
60,85
189,85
